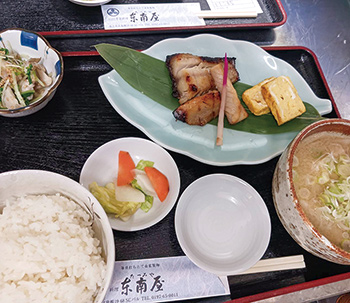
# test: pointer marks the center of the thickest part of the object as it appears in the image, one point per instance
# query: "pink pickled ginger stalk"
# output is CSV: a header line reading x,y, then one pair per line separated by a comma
x,y
220,129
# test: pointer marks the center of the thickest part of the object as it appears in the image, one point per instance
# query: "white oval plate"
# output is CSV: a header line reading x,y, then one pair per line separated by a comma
x,y
157,122
222,224
102,167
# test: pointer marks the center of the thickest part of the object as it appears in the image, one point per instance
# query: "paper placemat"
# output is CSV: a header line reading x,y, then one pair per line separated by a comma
x,y
235,5
162,280
125,16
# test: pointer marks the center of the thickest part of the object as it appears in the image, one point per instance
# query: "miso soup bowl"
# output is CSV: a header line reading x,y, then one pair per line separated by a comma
x,y
288,206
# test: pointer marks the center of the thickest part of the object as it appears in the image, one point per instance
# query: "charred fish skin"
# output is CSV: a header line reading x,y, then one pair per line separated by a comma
x,y
193,82
190,74
178,61
199,110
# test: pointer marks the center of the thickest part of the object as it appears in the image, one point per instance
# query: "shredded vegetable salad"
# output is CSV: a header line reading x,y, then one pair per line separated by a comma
x,y
22,81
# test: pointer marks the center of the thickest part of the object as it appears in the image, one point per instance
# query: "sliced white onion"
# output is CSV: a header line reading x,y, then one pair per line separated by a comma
x,y
145,184
129,194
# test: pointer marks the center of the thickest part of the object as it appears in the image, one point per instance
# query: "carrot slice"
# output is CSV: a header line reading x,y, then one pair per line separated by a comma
x,y
159,182
125,168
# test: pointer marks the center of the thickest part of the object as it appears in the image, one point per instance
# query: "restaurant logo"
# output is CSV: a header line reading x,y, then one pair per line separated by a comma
x,y
113,12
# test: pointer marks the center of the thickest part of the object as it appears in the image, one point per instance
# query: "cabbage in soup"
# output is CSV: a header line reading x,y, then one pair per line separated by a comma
x,y
321,176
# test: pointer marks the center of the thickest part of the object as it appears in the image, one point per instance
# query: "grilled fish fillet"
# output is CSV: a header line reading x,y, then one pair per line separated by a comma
x,y
191,74
234,110
199,110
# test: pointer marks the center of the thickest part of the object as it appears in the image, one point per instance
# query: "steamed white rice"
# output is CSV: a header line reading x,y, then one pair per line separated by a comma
x,y
48,252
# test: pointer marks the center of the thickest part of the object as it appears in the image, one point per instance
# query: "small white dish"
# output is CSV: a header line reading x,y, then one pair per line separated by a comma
x,y
33,45
90,2
222,224
102,167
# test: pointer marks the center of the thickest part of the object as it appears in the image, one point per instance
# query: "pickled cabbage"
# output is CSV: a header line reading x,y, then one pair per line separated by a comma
x,y
106,196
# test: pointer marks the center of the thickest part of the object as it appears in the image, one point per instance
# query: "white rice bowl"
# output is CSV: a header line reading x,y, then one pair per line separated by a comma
x,y
50,250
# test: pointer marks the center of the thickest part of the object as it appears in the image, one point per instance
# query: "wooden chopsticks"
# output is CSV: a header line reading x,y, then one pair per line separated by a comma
x,y
275,264
208,14
271,264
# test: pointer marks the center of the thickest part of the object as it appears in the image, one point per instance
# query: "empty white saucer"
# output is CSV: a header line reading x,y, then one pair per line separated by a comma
x,y
222,224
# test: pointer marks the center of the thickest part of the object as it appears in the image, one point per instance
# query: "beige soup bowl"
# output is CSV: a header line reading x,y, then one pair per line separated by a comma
x,y
286,202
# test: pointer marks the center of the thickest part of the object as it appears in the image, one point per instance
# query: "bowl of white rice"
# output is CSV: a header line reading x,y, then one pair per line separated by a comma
x,y
56,242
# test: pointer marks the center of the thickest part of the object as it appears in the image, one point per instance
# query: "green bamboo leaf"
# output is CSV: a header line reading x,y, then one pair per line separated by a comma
x,y
144,73
150,76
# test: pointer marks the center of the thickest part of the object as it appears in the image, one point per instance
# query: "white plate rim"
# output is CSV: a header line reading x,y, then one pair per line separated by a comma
x,y
90,3
188,252
118,224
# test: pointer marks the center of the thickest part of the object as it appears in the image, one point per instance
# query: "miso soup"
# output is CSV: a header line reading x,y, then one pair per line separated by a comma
x,y
321,176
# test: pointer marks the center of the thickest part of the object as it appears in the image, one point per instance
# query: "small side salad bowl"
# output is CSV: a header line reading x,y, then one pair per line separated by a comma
x,y
102,169
39,72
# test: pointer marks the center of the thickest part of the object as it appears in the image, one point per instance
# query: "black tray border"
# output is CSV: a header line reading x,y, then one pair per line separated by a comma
x,y
213,27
